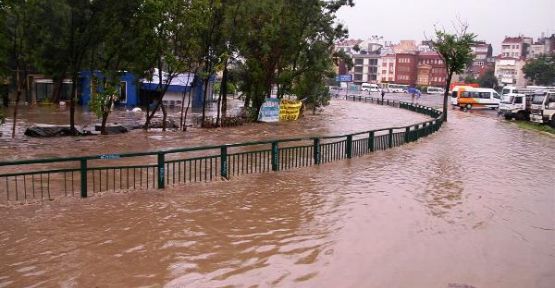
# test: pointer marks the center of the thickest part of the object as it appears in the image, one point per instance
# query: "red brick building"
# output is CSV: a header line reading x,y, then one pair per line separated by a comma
x,y
431,70
421,68
406,68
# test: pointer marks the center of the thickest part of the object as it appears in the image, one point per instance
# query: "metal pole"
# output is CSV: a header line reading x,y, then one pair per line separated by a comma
x,y
83,178
317,153
223,162
390,138
161,172
371,141
349,147
275,156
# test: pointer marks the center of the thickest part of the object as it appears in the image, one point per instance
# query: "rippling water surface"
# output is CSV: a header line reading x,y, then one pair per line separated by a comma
x,y
470,206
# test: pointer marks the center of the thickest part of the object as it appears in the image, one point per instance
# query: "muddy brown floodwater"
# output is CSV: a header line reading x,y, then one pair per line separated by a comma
x,y
470,206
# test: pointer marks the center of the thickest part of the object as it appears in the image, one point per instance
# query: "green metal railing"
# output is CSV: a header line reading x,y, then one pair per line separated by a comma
x,y
31,180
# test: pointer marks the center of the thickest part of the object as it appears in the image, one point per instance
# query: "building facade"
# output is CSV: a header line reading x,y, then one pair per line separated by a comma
x,y
508,71
365,68
431,70
483,59
386,68
406,68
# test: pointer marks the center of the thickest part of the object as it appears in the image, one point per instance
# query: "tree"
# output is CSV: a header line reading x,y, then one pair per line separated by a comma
x,y
16,21
541,70
455,49
66,32
488,79
173,46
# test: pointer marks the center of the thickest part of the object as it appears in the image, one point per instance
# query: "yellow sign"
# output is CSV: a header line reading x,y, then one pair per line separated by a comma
x,y
289,110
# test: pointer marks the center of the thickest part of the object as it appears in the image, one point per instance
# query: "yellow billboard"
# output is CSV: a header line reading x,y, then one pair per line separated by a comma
x,y
289,110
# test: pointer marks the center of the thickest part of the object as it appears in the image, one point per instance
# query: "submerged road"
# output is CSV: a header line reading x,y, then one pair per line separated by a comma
x,y
470,206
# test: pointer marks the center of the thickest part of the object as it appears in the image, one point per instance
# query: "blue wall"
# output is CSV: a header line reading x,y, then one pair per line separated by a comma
x,y
130,79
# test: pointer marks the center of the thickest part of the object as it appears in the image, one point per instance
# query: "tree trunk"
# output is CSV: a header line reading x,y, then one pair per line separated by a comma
x,y
18,95
446,96
223,88
205,96
164,116
182,109
104,120
72,103
218,107
57,92
187,110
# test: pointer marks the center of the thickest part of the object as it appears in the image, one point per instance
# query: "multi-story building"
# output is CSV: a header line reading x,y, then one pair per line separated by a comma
x,y
430,70
515,47
509,71
365,68
406,68
483,60
544,45
386,68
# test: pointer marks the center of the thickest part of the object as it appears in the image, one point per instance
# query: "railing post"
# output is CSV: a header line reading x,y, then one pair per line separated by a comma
x,y
349,147
317,151
390,138
83,178
161,172
275,156
407,133
223,162
417,132
371,141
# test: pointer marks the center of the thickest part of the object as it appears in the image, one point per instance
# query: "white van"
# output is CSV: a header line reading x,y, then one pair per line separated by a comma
x,y
370,87
478,98
434,90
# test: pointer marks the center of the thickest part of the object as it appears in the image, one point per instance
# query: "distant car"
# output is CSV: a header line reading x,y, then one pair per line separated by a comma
x,y
370,87
434,90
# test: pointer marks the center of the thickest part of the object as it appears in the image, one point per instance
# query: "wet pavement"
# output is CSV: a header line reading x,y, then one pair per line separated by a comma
x,y
470,206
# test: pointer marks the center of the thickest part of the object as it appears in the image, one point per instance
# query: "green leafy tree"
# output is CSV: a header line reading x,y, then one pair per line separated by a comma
x,y
66,32
541,70
455,49
488,79
102,101
173,46
15,30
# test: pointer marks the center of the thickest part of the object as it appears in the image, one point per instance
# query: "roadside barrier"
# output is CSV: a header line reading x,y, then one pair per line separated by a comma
x,y
46,179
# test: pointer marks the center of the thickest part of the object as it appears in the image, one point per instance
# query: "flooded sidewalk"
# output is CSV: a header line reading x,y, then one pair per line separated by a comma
x,y
470,206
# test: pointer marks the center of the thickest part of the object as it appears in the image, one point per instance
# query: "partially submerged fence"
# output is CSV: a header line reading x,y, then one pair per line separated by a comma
x,y
30,180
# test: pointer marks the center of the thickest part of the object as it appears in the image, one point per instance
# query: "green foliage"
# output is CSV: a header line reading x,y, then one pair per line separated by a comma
x,y
541,70
488,79
102,100
456,51
470,79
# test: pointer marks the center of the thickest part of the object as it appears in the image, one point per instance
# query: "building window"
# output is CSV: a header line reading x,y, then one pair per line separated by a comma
x,y
358,77
359,61
358,69
374,62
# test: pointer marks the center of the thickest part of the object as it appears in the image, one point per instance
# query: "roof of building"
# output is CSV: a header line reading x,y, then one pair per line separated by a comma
x,y
348,42
183,79
513,40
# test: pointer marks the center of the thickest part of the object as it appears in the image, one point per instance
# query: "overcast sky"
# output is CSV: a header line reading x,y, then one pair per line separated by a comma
x,y
413,19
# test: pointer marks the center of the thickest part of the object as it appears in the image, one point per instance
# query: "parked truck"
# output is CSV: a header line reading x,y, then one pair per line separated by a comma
x,y
542,107
515,105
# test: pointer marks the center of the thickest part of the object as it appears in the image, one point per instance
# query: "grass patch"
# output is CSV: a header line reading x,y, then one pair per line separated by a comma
x,y
535,126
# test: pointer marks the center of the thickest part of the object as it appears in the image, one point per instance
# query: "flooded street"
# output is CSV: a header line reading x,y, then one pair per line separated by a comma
x,y
470,206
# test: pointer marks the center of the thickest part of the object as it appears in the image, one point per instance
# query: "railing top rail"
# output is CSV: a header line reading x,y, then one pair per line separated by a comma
x,y
209,147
